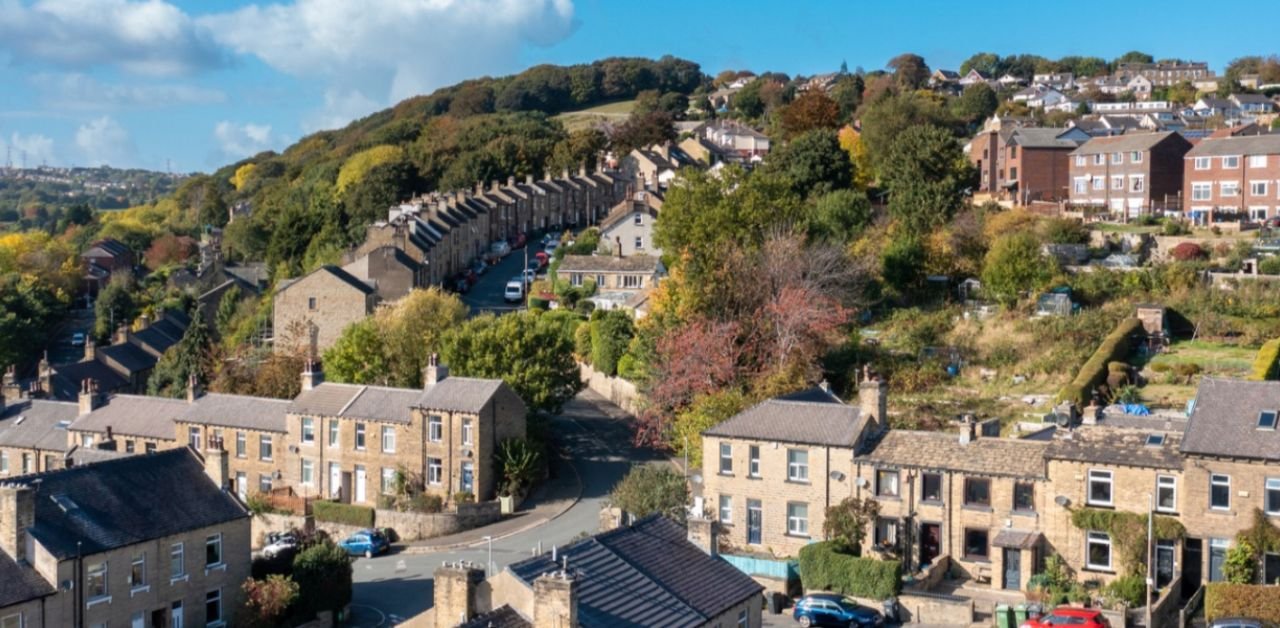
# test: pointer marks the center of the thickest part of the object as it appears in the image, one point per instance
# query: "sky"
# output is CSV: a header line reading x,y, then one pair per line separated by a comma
x,y
190,85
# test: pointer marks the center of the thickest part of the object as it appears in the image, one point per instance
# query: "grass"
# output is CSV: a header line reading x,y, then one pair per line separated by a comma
x,y
1115,227
1214,358
584,118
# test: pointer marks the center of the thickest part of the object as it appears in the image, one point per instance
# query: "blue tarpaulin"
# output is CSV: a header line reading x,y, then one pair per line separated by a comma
x,y
1136,409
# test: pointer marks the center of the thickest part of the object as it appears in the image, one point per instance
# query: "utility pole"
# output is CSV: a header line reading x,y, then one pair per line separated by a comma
x,y
1151,518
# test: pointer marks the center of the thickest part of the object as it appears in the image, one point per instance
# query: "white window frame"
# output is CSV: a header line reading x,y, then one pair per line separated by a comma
x,y
388,481
98,570
726,509
1257,161
797,523
214,596
1255,185
1094,537
1080,185
1117,182
335,435
242,445
753,461
360,437
213,541
388,439
435,428
639,242
1170,483
1117,157
435,471
1229,189
1099,183
1081,160
1100,475
1203,163
1137,183
1230,161
8,620
307,474
178,554
265,448
726,459
468,432
1268,486
1219,479
138,561
175,614
1099,159
797,469
308,430
1201,190
1135,157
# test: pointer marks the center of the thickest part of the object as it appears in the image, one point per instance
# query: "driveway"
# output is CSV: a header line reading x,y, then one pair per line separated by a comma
x,y
596,439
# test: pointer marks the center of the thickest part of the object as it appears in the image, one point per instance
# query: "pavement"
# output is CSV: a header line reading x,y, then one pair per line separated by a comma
x,y
595,438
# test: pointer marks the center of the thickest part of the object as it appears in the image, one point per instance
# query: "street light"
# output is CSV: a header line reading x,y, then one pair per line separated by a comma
x,y
488,566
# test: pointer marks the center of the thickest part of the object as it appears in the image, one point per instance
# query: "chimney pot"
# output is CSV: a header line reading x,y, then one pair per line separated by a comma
x,y
311,376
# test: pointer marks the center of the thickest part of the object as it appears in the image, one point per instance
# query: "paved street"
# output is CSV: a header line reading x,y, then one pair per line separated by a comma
x,y
597,442
486,295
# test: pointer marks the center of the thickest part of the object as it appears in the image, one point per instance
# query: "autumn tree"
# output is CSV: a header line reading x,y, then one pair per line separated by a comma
x,y
169,249
581,148
266,601
1014,266
910,71
651,489
643,130
812,110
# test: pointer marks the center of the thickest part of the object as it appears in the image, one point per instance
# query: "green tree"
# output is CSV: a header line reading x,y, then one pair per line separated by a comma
x,y
115,306
228,306
1013,266
411,332
707,411
890,116
839,216
987,63
359,355
28,311
748,102
902,262
323,574
581,148
813,162
643,130
183,361
611,332
847,93
1133,56
846,523
531,351
649,489
1241,566
910,71
927,177
975,104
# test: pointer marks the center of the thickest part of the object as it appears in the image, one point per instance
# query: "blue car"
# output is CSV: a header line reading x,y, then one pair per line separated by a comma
x,y
829,609
367,543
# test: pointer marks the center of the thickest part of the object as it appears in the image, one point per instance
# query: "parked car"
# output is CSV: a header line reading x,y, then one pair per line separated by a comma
x,y
77,339
367,543
1069,616
534,266
479,267
514,292
830,609
543,258
551,247
280,543
460,285
517,241
500,248
530,276
1235,622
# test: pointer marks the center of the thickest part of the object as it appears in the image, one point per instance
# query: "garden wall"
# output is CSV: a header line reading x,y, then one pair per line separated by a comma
x,y
928,608
620,392
408,526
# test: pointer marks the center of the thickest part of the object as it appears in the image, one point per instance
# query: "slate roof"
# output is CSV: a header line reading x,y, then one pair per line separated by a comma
x,y
821,419
157,337
109,246
1122,143
39,426
1116,446
1042,138
238,411
357,402
103,507
20,584
1251,99
68,378
342,275
134,415
942,451
1239,145
645,574
130,356
459,394
502,617
609,264
1224,419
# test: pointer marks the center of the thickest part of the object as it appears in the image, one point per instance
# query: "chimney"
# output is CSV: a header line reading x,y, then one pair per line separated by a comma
x,y
311,376
109,441
455,593
435,371
46,376
968,429
90,349
564,174
493,185
17,514
703,533
144,322
12,390
122,334
88,396
528,179
194,390
479,188
555,601
216,463
873,399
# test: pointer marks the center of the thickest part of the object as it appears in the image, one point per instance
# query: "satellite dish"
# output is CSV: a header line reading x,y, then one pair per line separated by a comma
x,y
1062,500
860,482
837,476
696,478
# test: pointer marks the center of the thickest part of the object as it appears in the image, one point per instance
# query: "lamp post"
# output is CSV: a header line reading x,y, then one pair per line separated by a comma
x,y
1151,517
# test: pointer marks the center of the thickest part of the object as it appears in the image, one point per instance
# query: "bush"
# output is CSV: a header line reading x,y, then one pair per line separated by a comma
x,y
648,489
823,568
1174,227
1128,589
538,303
1115,347
463,497
425,503
1269,265
323,574
1188,252
347,514
1267,364
1242,600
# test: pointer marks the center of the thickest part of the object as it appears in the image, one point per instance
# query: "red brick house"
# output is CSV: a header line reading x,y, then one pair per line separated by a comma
x,y
1233,178
1025,164
1132,173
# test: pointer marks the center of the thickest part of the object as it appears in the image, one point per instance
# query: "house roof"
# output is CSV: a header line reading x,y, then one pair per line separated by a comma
x,y
109,246
1117,446
36,424
459,394
626,209
128,355
1042,138
68,378
1122,143
238,411
645,574
1251,99
117,503
20,583
355,401
810,418
943,451
134,415
340,274
1239,145
1224,419
609,264
502,617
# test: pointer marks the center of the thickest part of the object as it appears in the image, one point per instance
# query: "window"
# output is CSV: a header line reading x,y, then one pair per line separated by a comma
x,y
1231,162
886,532
1137,183
1219,491
742,620
753,461
1097,554
1099,183
726,509
264,483
138,571
1203,163
241,446
977,492
1166,493
887,483
1013,152
308,472
1155,440
434,471
388,481
1013,174
631,281
1217,558
213,551
1201,191
4,462
95,583
1267,420
1024,496
600,283
798,465
308,430
176,567
193,437
139,620
1257,161
388,439
1135,157
1117,158
264,448
1258,188
150,448
128,449
26,464
213,607
1117,182
435,428
931,487
575,279
1099,488
359,436
86,440
333,433
726,458
311,303
975,544
1080,160
1099,159
468,431
798,519
1080,185
1271,496
639,219
639,242
15,621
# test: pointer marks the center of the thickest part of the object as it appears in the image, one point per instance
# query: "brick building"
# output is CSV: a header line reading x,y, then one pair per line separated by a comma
x,y
1233,178
309,313
1131,173
1025,164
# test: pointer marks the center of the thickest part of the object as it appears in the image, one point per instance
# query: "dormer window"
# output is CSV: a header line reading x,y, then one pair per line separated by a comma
x,y
1267,420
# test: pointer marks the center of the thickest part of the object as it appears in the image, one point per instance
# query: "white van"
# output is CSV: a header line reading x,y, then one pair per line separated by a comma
x,y
514,292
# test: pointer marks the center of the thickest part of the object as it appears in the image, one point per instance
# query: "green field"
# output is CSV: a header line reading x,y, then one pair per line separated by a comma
x,y
608,112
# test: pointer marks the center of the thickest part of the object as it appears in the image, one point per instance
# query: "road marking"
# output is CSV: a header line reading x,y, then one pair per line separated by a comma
x,y
400,566
382,617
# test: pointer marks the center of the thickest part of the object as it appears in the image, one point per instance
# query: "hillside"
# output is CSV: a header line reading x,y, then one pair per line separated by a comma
x,y
32,197
614,112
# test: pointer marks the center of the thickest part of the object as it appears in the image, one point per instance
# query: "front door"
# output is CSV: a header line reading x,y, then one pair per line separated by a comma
x,y
1217,558
359,485
1192,566
242,485
468,478
754,521
1012,569
930,543
1164,563
335,480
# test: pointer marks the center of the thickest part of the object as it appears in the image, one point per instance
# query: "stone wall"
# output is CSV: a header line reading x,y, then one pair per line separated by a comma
x,y
928,608
408,526
620,392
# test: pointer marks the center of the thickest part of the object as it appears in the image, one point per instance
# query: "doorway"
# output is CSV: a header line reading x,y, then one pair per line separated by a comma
x,y
335,480
1164,563
930,543
1012,569
360,485
754,521
468,478
1192,566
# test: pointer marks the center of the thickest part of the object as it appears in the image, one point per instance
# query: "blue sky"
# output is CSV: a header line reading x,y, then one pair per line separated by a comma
x,y
195,85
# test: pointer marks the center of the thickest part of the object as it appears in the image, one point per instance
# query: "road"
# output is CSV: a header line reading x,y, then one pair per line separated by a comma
x,y
486,295
60,348
593,435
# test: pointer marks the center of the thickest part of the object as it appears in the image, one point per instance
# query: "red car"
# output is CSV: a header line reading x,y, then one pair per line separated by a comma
x,y
1069,616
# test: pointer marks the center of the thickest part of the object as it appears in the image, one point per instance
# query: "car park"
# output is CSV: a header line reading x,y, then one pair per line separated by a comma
x,y
831,609
367,543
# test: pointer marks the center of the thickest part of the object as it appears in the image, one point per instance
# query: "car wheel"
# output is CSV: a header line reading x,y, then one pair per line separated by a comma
x,y
805,621
368,553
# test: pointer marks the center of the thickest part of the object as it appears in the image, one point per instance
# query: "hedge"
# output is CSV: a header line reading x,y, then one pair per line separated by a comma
x,y
1267,364
1255,601
347,514
1114,348
824,568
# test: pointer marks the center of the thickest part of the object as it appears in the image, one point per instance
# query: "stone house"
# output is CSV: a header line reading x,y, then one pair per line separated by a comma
x,y
650,573
103,259
1130,173
1233,177
391,272
82,546
129,424
612,273
628,229
33,434
251,430
310,312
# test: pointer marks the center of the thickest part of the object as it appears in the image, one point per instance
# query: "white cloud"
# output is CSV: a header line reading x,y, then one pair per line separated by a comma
x,y
243,140
375,54
80,91
144,37
103,141
35,148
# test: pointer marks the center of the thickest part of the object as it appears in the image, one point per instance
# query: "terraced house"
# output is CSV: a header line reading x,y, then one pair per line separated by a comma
x,y
1233,178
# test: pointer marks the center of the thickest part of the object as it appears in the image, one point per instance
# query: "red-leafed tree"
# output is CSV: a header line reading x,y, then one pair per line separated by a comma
x,y
697,357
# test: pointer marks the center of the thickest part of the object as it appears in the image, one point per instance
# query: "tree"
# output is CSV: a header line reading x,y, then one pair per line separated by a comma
x,y
169,249
411,332
359,355
267,601
1133,56
987,63
649,489
1182,93
228,306
531,351
323,575
885,119
581,148
847,93
839,216
910,71
1241,566
115,306
975,104
611,332
704,413
863,171
846,523
813,162
748,102
186,360
29,309
643,130
902,262
1013,266
927,177
812,110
